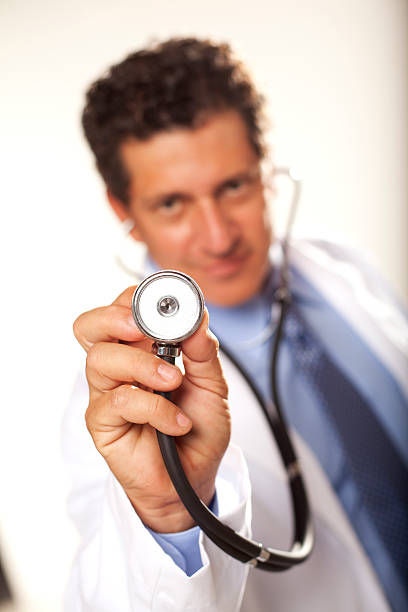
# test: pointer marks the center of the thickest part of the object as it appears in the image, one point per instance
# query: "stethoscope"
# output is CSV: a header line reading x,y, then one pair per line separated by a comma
x,y
168,307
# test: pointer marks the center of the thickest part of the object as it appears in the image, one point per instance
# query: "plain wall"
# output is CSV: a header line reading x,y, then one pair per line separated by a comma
x,y
335,74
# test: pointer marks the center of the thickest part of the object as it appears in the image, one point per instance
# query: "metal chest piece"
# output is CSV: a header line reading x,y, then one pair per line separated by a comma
x,y
168,306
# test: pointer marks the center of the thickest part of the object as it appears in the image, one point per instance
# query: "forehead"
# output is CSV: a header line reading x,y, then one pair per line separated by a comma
x,y
189,159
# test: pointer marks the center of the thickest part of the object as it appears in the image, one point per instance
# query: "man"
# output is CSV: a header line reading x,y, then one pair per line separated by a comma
x,y
176,132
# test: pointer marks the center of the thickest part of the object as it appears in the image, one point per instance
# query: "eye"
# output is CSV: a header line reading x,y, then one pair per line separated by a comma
x,y
170,205
233,185
233,188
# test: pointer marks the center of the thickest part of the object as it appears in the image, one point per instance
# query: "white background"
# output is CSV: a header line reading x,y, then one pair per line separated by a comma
x,y
335,73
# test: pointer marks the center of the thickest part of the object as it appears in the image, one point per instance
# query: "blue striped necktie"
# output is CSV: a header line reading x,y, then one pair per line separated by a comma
x,y
372,460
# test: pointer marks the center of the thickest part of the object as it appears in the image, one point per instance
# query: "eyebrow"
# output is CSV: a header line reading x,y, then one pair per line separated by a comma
x,y
251,174
161,197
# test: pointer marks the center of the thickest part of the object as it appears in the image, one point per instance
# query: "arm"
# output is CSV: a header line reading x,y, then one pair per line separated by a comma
x,y
113,501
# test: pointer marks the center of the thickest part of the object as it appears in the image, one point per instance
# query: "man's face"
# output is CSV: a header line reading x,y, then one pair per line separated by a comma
x,y
197,199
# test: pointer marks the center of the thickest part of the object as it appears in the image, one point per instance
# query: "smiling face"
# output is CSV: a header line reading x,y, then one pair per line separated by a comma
x,y
197,199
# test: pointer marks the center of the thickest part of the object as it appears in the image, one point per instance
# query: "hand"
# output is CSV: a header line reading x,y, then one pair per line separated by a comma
x,y
123,413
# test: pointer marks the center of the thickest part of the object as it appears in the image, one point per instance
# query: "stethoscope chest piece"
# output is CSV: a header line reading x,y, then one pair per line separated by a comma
x,y
168,307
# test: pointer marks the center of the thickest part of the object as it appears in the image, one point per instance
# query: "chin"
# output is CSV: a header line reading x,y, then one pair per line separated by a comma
x,y
232,293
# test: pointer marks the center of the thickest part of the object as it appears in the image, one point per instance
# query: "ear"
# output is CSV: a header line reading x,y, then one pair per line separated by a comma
x,y
122,212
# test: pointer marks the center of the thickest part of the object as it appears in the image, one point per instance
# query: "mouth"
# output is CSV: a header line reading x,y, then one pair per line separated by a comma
x,y
227,266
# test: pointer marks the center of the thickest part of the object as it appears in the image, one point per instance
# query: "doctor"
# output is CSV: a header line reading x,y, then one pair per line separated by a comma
x,y
177,135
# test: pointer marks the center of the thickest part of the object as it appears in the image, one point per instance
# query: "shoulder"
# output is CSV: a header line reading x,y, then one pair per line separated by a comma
x,y
346,277
341,264
345,280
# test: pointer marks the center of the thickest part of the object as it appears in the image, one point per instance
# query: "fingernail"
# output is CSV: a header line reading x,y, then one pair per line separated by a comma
x,y
167,372
182,420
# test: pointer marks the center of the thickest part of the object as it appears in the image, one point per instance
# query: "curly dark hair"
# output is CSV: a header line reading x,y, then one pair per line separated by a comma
x,y
177,83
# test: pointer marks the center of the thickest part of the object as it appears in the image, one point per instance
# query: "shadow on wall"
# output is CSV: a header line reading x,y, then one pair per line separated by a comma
x,y
5,593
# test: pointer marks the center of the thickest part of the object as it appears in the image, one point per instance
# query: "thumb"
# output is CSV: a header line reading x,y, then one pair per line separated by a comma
x,y
201,360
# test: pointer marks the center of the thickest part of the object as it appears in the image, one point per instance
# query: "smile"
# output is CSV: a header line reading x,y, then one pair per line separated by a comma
x,y
228,266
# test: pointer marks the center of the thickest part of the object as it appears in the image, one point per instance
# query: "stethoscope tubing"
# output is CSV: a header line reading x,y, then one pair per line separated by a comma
x,y
235,545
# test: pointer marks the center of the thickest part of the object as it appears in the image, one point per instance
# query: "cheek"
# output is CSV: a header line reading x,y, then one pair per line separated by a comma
x,y
255,223
169,244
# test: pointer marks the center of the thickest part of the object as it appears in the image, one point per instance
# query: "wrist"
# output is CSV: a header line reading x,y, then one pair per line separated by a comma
x,y
170,516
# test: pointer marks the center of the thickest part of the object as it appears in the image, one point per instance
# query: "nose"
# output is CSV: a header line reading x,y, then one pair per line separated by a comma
x,y
218,232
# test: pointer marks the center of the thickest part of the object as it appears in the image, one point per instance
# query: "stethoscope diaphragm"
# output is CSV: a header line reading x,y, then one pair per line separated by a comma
x,y
168,306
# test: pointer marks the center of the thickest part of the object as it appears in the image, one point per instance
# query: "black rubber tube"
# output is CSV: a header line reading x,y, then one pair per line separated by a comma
x,y
223,536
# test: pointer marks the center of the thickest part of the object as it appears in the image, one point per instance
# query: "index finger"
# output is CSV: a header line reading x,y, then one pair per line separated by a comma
x,y
106,324
125,298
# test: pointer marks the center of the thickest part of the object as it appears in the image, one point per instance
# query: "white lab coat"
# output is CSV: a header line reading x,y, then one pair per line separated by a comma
x,y
120,567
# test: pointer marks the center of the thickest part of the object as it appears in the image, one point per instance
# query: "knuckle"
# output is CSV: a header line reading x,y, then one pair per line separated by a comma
x,y
110,315
111,312
89,417
146,363
213,343
216,351
119,398
224,384
155,405
94,355
76,327
214,340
